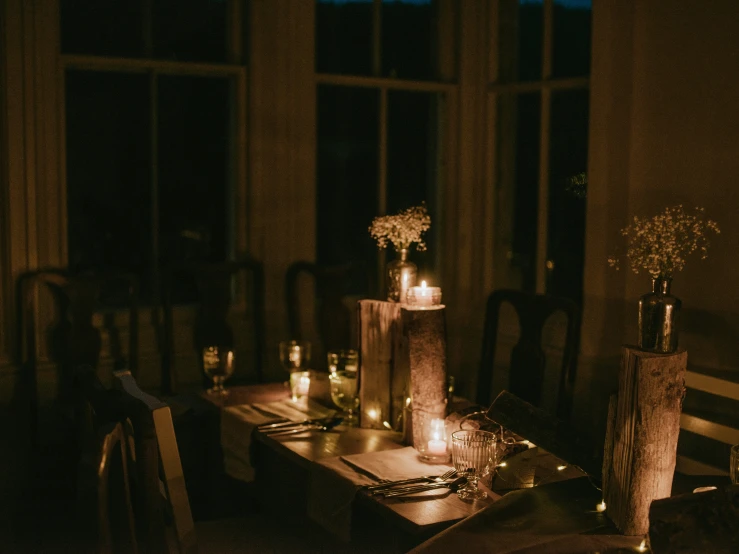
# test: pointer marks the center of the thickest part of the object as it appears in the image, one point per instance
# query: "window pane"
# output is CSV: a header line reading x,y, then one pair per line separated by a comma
x,y
572,21
347,173
344,36
567,159
190,30
526,108
530,40
109,28
108,178
409,39
412,162
194,221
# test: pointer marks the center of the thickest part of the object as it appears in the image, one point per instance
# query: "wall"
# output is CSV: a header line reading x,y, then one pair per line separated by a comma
x,y
664,131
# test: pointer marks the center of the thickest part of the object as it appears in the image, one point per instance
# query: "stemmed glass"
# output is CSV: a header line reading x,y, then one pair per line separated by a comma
x,y
345,394
474,456
734,464
342,360
218,365
294,354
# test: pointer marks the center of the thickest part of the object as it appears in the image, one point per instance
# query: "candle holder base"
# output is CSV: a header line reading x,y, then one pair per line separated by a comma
x,y
435,458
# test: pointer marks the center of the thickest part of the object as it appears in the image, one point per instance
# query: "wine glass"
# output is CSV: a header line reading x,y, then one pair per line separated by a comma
x,y
294,354
734,464
345,394
474,456
342,360
218,365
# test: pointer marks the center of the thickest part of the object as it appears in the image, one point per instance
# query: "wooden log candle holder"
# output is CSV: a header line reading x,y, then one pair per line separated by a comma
x,y
641,437
402,352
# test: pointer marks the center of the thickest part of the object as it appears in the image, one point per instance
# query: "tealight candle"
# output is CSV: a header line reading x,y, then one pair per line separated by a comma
x,y
437,444
424,296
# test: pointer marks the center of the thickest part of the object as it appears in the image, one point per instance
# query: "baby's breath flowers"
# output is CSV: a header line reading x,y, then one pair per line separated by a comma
x,y
660,245
402,229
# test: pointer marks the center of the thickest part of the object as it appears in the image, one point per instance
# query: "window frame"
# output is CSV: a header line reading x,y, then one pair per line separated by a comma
x,y
235,70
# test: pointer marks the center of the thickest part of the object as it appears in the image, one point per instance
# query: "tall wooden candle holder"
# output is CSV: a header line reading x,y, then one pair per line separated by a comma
x,y
641,436
402,351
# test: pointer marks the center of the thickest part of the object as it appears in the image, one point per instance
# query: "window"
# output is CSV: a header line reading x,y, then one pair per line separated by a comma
x,y
383,84
154,92
538,90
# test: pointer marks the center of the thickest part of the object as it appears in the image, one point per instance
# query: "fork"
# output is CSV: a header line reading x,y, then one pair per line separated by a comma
x,y
379,489
453,485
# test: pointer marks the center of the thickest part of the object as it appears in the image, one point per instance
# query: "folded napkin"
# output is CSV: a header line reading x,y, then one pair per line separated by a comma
x,y
238,423
334,482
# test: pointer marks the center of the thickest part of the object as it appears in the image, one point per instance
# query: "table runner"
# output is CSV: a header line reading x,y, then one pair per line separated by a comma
x,y
556,518
238,423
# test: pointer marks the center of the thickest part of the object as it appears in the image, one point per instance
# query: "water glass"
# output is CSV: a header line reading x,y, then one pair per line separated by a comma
x,y
734,464
345,394
299,385
294,354
474,456
218,365
342,360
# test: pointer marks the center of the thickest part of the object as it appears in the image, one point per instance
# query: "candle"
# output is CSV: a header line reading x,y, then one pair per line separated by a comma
x,y
437,444
601,507
424,296
303,385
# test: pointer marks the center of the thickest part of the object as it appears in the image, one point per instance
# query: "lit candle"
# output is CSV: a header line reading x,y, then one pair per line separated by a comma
x,y
424,296
643,546
601,507
437,444
304,385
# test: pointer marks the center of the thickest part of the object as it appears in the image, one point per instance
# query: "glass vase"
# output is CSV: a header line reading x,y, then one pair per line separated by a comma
x,y
401,275
659,314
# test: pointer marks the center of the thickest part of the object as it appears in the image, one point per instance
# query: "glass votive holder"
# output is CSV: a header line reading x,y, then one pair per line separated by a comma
x,y
423,297
343,360
433,443
299,385
295,354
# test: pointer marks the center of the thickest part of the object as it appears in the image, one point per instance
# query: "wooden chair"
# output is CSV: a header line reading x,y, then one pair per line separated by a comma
x,y
335,317
528,361
158,498
72,338
213,285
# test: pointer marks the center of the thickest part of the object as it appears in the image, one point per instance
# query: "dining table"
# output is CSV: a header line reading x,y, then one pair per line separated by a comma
x,y
535,501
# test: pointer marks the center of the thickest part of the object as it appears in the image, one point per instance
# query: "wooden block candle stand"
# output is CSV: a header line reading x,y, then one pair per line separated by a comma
x,y
641,436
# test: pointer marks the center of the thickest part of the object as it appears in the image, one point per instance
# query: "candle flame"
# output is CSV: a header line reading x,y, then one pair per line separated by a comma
x,y
601,507
643,546
423,284
373,414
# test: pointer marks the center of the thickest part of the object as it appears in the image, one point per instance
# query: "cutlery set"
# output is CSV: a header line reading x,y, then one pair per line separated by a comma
x,y
393,489
294,427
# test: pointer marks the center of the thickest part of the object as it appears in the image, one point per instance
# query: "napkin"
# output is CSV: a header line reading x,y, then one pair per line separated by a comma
x,y
334,482
238,423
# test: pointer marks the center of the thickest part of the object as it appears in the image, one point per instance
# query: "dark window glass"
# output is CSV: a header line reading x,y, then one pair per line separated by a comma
x,y
412,162
347,173
530,40
190,30
344,37
409,39
108,179
527,108
571,51
108,28
193,157
568,155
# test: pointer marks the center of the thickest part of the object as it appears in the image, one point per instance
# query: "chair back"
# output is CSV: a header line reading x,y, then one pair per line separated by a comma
x,y
335,316
132,432
215,286
72,338
528,360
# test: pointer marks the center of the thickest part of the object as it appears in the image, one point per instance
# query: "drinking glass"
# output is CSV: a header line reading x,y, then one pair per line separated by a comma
x,y
474,456
734,467
299,385
345,394
218,365
342,360
294,354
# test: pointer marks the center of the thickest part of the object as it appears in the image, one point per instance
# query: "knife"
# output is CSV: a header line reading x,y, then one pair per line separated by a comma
x,y
283,424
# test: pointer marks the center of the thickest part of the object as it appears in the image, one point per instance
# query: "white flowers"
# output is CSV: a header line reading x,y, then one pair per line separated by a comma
x,y
661,244
402,229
